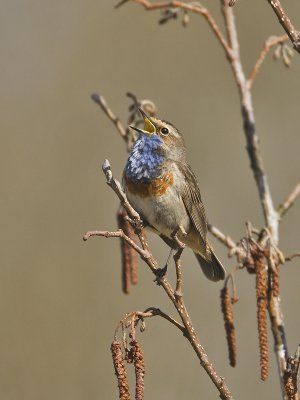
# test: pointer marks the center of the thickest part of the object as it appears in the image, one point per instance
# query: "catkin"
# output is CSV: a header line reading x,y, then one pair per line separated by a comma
x,y
120,371
129,255
261,297
227,310
139,366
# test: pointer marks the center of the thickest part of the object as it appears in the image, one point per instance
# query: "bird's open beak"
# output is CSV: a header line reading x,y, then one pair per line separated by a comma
x,y
149,127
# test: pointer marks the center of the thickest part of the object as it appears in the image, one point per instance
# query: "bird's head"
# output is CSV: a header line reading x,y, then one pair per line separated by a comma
x,y
171,143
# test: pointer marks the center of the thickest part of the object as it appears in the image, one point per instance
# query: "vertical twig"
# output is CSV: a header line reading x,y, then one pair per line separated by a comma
x,y
286,23
256,162
253,149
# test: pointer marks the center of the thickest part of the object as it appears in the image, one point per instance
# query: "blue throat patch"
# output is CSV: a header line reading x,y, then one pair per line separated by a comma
x,y
144,164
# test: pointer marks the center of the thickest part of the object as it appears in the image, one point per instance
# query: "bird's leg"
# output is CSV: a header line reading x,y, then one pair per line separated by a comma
x,y
174,236
138,226
169,258
161,272
177,255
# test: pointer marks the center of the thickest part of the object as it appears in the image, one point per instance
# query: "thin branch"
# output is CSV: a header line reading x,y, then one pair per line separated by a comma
x,y
257,165
225,239
256,161
289,258
116,187
120,234
269,43
286,23
149,313
100,100
158,312
121,3
289,201
196,8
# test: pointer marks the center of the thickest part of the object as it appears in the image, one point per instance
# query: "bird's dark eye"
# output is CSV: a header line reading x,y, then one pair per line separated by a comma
x,y
164,131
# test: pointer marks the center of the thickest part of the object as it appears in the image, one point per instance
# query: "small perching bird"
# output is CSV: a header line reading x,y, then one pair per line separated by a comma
x,y
162,187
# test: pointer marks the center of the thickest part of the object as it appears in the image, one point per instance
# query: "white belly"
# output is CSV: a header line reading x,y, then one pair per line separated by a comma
x,y
164,213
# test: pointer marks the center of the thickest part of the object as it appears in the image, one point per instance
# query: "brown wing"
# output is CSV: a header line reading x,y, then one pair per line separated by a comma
x,y
192,200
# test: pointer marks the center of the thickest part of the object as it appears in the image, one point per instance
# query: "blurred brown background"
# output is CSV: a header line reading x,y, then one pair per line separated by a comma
x,y
60,298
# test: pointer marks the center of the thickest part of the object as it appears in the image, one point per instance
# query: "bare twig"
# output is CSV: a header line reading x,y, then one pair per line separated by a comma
x,y
286,23
225,239
256,162
116,187
120,3
289,201
289,258
278,330
196,8
148,313
254,153
100,100
269,43
120,234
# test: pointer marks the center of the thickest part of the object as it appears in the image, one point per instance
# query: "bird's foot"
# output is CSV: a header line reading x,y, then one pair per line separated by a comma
x,y
137,225
160,273
174,236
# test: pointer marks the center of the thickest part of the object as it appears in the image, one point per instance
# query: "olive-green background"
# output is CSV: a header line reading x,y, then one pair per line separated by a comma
x,y
60,298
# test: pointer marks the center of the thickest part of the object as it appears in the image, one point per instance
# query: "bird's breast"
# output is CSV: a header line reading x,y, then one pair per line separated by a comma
x,y
155,187
158,202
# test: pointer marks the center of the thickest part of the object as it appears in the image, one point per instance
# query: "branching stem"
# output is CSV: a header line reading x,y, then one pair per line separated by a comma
x,y
174,295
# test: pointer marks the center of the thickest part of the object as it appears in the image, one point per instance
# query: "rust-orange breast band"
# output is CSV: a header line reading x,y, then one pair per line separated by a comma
x,y
156,187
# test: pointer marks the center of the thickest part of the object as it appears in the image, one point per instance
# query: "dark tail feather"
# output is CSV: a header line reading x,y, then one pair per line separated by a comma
x,y
211,266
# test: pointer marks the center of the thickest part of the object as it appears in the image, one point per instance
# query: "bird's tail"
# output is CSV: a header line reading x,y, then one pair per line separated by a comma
x,y
211,266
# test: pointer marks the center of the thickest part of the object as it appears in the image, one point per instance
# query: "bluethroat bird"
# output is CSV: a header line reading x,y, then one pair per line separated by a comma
x,y
163,189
